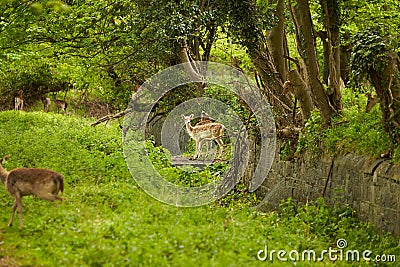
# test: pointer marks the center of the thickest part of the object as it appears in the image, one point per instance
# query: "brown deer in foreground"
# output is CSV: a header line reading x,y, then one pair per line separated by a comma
x,y
19,101
20,182
60,104
205,132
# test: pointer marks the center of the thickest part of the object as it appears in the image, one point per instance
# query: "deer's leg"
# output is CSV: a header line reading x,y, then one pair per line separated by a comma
x,y
221,147
199,146
207,148
200,149
14,208
195,154
18,201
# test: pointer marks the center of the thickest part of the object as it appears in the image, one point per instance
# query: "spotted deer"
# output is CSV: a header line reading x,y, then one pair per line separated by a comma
x,y
204,119
43,183
60,104
19,101
204,132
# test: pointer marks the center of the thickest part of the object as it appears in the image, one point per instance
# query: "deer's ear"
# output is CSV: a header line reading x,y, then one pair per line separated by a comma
x,y
191,116
4,159
183,116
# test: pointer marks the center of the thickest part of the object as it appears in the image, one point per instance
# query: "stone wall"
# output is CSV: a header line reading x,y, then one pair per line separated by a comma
x,y
371,187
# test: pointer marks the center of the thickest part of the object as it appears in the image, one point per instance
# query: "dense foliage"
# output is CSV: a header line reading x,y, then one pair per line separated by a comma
x,y
316,62
109,48
352,131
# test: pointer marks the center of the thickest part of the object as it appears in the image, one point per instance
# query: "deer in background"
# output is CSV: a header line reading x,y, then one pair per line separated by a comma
x,y
19,101
204,119
204,132
46,104
20,182
60,104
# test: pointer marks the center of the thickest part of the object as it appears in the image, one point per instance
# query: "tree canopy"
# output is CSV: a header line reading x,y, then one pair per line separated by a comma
x,y
300,52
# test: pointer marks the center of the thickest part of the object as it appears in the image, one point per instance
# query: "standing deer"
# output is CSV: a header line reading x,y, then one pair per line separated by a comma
x,y
20,182
19,101
205,132
60,104
204,119
46,104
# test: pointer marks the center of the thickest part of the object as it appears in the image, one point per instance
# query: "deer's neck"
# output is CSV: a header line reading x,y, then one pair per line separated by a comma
x,y
3,174
189,129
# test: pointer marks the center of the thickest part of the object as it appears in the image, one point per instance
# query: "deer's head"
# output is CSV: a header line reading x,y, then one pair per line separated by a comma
x,y
187,119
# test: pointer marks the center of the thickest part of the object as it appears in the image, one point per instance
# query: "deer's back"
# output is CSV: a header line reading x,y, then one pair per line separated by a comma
x,y
209,130
204,121
30,181
61,104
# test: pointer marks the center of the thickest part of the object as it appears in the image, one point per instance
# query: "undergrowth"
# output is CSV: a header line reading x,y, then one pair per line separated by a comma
x,y
188,176
107,220
352,130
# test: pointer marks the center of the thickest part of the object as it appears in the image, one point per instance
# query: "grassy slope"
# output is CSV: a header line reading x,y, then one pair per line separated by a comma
x,y
107,220
353,130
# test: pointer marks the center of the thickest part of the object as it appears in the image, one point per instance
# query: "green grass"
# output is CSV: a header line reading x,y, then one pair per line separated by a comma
x,y
353,130
107,220
361,133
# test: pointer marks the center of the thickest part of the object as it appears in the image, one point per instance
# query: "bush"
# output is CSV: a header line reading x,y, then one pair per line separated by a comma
x,y
35,82
66,144
353,130
186,175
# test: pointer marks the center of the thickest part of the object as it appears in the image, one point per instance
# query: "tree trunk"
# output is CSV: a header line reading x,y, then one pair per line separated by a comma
x,y
387,86
197,42
345,55
325,68
345,52
306,47
299,89
277,41
331,11
251,35
184,57
281,102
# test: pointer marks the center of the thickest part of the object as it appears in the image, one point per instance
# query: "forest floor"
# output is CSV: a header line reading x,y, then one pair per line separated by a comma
x,y
106,219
